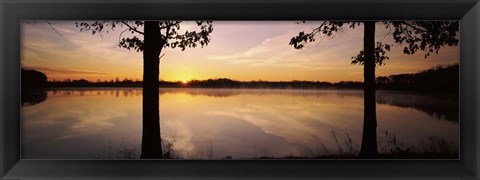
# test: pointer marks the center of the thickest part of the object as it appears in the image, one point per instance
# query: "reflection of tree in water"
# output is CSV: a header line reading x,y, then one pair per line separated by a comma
x,y
257,92
125,92
201,92
439,107
32,97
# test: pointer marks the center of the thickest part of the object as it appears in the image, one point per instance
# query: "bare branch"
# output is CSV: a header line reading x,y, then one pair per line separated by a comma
x,y
120,36
131,28
316,30
414,27
50,24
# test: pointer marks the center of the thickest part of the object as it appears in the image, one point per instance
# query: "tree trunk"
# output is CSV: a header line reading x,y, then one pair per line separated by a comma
x,y
369,137
151,142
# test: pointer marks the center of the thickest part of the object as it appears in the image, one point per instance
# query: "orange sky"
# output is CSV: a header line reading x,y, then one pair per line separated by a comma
x,y
240,50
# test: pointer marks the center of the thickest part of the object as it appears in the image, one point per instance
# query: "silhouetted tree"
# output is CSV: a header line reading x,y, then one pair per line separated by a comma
x,y
427,36
33,87
33,79
156,36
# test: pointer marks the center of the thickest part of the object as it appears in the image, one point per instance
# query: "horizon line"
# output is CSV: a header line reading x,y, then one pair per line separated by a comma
x,y
181,81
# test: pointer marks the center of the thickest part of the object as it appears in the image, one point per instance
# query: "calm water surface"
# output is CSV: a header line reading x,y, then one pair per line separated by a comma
x,y
93,123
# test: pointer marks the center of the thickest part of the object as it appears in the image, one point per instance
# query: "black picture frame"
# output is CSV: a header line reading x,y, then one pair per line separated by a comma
x,y
13,11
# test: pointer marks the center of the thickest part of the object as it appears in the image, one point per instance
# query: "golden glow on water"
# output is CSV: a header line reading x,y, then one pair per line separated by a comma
x,y
228,122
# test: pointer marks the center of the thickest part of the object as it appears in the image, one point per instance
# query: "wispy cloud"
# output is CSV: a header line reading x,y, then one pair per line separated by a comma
x,y
275,52
268,52
63,71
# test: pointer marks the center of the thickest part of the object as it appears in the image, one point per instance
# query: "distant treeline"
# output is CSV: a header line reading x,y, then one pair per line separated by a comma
x,y
213,83
441,79
86,83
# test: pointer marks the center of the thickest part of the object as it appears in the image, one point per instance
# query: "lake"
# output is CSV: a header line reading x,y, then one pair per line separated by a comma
x,y
106,123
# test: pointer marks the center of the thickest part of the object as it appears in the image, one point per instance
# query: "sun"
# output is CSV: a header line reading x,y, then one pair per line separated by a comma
x,y
184,81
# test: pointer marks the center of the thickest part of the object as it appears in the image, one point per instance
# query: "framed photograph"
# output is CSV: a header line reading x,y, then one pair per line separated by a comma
x,y
240,89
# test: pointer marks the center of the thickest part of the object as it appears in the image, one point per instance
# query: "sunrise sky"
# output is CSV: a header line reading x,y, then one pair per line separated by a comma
x,y
239,50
